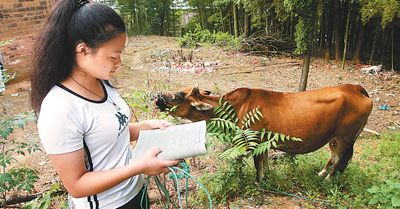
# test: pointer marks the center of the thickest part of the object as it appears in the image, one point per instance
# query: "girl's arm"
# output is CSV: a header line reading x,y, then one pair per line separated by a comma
x,y
81,183
134,128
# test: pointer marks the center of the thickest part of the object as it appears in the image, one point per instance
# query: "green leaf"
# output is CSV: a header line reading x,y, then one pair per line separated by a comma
x,y
32,204
6,177
217,110
373,201
269,135
282,137
45,203
4,132
273,143
297,139
259,112
396,200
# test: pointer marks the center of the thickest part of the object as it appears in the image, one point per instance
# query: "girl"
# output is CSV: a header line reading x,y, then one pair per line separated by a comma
x,y
83,121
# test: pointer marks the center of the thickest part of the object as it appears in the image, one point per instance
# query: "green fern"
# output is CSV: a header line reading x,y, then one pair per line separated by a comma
x,y
241,141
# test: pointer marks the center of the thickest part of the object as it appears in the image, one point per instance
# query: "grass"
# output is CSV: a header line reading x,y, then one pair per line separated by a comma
x,y
375,162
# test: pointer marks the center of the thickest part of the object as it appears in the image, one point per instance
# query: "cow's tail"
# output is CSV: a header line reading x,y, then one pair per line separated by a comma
x,y
345,158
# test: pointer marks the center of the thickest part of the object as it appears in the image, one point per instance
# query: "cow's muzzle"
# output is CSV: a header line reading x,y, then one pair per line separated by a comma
x,y
161,102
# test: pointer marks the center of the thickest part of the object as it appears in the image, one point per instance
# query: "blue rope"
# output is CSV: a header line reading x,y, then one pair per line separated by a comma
x,y
185,174
292,195
174,176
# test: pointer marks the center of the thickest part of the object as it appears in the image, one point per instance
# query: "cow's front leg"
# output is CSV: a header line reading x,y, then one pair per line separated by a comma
x,y
259,162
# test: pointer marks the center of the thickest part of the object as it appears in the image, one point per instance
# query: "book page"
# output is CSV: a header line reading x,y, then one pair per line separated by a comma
x,y
176,142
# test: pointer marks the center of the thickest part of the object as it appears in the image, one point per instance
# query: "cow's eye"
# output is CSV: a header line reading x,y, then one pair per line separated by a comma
x,y
180,95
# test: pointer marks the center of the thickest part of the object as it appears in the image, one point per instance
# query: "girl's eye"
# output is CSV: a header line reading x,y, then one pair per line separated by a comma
x,y
113,58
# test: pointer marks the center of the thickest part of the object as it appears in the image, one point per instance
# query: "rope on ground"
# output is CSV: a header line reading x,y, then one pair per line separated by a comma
x,y
185,170
292,195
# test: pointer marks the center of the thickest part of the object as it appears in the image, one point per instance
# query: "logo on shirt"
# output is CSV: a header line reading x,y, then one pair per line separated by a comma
x,y
123,122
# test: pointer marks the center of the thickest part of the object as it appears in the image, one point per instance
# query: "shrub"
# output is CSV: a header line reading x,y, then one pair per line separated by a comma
x,y
386,195
190,39
13,178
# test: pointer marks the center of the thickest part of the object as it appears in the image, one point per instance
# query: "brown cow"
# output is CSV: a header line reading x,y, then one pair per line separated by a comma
x,y
333,114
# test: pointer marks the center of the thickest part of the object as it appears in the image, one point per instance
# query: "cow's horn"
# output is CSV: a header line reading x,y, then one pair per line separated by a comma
x,y
195,90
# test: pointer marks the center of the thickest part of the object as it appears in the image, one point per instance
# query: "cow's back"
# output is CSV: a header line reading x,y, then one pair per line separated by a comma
x,y
314,116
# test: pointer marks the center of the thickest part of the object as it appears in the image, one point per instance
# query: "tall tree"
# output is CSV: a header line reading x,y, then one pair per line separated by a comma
x,y
337,25
306,10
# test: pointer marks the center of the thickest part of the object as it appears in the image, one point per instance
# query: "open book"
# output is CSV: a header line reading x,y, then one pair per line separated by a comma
x,y
176,142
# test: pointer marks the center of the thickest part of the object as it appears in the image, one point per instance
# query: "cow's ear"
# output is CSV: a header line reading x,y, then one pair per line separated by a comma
x,y
206,92
195,90
202,106
179,95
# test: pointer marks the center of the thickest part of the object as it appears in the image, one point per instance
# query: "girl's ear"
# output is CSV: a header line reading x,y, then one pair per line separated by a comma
x,y
82,48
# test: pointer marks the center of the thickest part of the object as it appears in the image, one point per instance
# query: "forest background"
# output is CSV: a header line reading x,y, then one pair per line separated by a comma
x,y
362,31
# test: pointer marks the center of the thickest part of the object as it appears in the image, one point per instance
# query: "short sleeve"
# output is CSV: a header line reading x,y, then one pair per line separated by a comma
x,y
59,128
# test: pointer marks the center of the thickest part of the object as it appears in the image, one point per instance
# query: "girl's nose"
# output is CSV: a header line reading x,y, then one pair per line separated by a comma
x,y
118,62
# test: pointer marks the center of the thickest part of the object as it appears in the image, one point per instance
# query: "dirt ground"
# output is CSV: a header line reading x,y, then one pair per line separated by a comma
x,y
157,64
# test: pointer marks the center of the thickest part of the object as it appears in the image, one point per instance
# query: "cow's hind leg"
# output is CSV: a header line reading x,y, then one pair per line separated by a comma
x,y
342,149
341,153
344,160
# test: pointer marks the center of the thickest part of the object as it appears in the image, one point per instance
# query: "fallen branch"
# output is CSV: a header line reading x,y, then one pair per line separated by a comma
x,y
22,199
264,69
371,131
13,201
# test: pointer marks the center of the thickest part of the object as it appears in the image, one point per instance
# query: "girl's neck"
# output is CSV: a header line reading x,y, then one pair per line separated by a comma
x,y
86,86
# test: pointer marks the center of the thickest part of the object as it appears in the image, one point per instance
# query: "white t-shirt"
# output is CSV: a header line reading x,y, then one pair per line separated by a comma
x,y
69,122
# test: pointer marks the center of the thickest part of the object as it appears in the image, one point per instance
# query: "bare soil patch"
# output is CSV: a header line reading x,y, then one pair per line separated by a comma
x,y
157,64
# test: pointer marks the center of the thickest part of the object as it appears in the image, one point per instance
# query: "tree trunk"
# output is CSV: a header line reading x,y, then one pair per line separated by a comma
x,y
374,44
305,70
222,19
329,32
230,24
266,24
359,43
235,19
338,31
322,32
392,48
347,35
201,17
246,26
137,17
162,17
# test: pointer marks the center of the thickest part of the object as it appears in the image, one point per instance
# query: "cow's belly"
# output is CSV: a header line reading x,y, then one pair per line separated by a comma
x,y
315,130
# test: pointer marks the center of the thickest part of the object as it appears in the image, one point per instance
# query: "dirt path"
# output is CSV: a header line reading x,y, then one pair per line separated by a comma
x,y
153,63
235,70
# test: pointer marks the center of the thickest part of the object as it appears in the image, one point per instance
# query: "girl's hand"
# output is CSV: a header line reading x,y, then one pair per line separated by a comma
x,y
158,124
134,128
150,164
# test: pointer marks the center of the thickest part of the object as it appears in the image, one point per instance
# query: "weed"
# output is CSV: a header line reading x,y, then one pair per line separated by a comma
x,y
56,193
370,181
12,178
386,195
225,40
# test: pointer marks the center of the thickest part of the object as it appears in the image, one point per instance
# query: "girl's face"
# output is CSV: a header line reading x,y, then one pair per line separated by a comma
x,y
102,62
